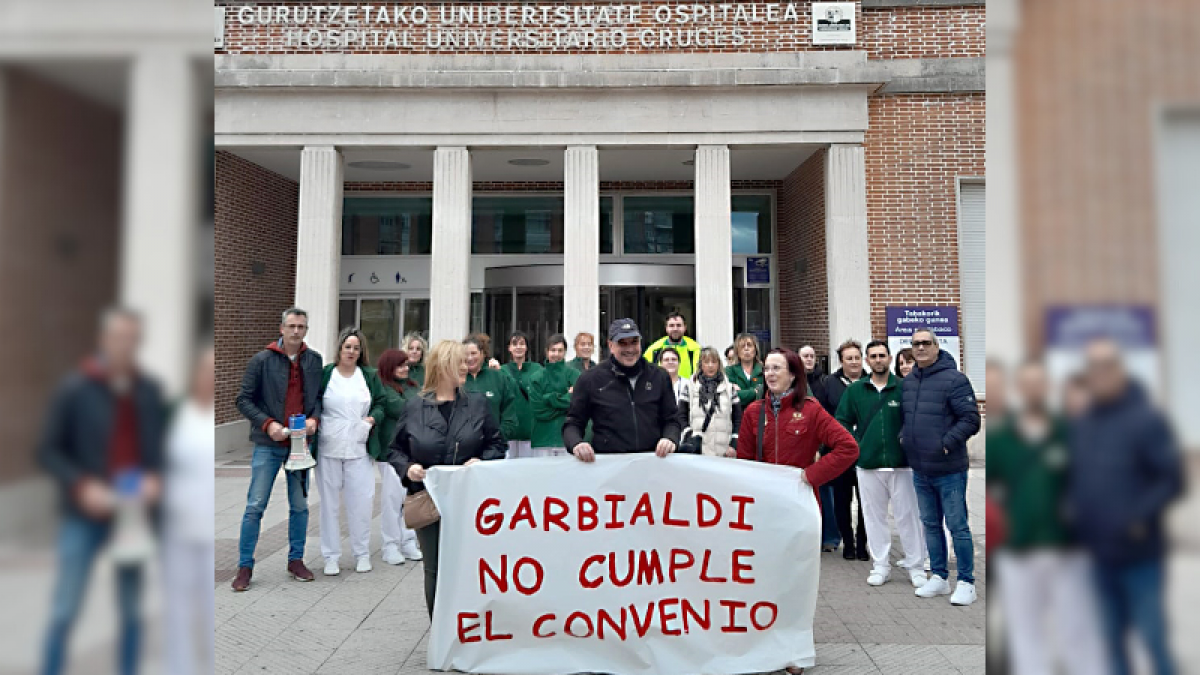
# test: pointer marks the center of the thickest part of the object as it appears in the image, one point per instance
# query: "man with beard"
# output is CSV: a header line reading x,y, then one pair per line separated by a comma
x,y
630,403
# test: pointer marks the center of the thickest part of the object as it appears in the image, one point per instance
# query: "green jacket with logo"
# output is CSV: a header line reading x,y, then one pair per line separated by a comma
x,y
877,433
549,399
689,354
1029,480
501,392
750,388
377,444
577,364
522,376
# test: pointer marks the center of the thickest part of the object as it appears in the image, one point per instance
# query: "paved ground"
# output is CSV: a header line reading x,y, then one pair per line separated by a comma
x,y
376,622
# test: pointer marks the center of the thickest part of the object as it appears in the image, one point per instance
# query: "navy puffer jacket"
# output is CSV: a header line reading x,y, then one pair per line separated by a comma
x,y
940,414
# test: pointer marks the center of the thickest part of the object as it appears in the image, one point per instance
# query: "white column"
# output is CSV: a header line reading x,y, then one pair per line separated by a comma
x,y
581,242
846,245
161,215
1004,319
319,246
450,285
714,248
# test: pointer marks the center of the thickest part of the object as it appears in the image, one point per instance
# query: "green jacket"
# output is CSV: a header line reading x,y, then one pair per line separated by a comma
x,y
877,433
750,388
689,354
577,364
1029,481
376,446
416,373
501,392
522,376
549,400
393,407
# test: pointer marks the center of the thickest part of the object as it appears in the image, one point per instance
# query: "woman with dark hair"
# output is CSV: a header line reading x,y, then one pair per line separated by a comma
x,y
794,426
905,360
352,402
549,399
521,369
399,542
668,360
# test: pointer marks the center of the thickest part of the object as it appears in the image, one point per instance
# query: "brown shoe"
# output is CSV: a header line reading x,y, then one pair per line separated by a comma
x,y
298,571
242,581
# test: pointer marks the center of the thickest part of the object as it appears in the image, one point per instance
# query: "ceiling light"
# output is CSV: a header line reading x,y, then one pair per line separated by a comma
x,y
529,161
378,165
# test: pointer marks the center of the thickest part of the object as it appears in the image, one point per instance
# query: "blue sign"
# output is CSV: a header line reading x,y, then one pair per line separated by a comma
x,y
942,320
1131,326
758,271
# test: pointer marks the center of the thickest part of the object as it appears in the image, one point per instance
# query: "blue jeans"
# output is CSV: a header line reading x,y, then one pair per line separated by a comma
x,y
830,536
945,498
1131,597
79,541
264,467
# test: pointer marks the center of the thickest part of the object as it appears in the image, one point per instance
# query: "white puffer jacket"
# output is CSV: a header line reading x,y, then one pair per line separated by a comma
x,y
722,428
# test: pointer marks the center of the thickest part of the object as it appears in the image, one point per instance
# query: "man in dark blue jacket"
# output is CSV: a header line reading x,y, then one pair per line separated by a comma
x,y
940,414
282,380
1125,469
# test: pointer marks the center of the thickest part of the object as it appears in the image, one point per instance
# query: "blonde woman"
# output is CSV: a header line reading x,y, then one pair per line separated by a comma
x,y
445,425
712,413
416,347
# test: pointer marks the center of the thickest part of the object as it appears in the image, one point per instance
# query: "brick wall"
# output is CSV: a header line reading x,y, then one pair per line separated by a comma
x,y
885,33
803,288
60,175
916,149
255,276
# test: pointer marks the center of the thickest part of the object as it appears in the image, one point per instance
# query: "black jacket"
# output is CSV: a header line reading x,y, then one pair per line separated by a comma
x,y
264,388
623,420
816,387
834,386
423,436
79,425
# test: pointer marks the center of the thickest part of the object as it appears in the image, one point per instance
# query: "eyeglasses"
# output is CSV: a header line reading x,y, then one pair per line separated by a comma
x,y
922,343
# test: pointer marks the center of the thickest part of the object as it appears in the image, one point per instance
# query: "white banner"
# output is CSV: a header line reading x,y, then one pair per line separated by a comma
x,y
630,565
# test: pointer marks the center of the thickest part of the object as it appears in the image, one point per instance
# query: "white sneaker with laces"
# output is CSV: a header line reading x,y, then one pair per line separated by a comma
x,y
934,587
331,567
918,578
364,564
878,577
964,594
409,550
392,556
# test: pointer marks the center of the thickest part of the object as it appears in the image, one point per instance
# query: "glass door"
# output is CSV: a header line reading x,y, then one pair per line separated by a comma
x,y
416,316
379,321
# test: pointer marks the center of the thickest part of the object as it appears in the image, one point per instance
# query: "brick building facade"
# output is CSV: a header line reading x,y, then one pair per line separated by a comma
x,y
857,152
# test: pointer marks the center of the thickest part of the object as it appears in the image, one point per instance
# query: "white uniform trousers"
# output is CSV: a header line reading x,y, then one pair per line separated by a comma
x,y
519,449
878,488
391,509
353,480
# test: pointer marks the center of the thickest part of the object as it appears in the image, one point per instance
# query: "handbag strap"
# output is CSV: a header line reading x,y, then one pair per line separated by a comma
x,y
762,424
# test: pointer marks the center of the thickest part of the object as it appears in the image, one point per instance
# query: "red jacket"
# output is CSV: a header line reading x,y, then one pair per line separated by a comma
x,y
804,430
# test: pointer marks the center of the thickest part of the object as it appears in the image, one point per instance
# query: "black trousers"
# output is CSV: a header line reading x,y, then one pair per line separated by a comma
x,y
428,537
845,487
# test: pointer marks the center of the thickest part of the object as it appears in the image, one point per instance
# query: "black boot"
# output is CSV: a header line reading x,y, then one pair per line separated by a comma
x,y
848,551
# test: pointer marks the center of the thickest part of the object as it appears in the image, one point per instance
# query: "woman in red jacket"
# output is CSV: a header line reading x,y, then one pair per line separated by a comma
x,y
795,426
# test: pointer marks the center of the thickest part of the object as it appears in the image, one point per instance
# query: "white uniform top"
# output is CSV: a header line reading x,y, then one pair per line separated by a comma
x,y
190,485
343,430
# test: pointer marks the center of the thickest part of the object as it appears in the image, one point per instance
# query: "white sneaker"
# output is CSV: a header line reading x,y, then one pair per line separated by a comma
x,y
934,587
964,594
409,550
392,556
879,577
364,564
331,567
918,578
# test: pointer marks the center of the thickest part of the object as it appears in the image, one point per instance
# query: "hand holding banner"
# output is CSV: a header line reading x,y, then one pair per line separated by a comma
x,y
633,564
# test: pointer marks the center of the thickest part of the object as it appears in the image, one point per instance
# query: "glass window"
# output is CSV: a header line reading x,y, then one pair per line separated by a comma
x,y
518,225
380,325
606,224
387,225
659,225
477,312
347,313
751,224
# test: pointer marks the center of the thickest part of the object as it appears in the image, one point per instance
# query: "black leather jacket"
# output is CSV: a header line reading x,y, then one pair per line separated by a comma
x,y
423,436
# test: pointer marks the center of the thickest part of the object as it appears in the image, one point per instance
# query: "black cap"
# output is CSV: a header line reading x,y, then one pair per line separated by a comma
x,y
623,328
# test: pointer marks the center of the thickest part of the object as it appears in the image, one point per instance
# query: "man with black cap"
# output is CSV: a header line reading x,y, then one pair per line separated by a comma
x,y
630,402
